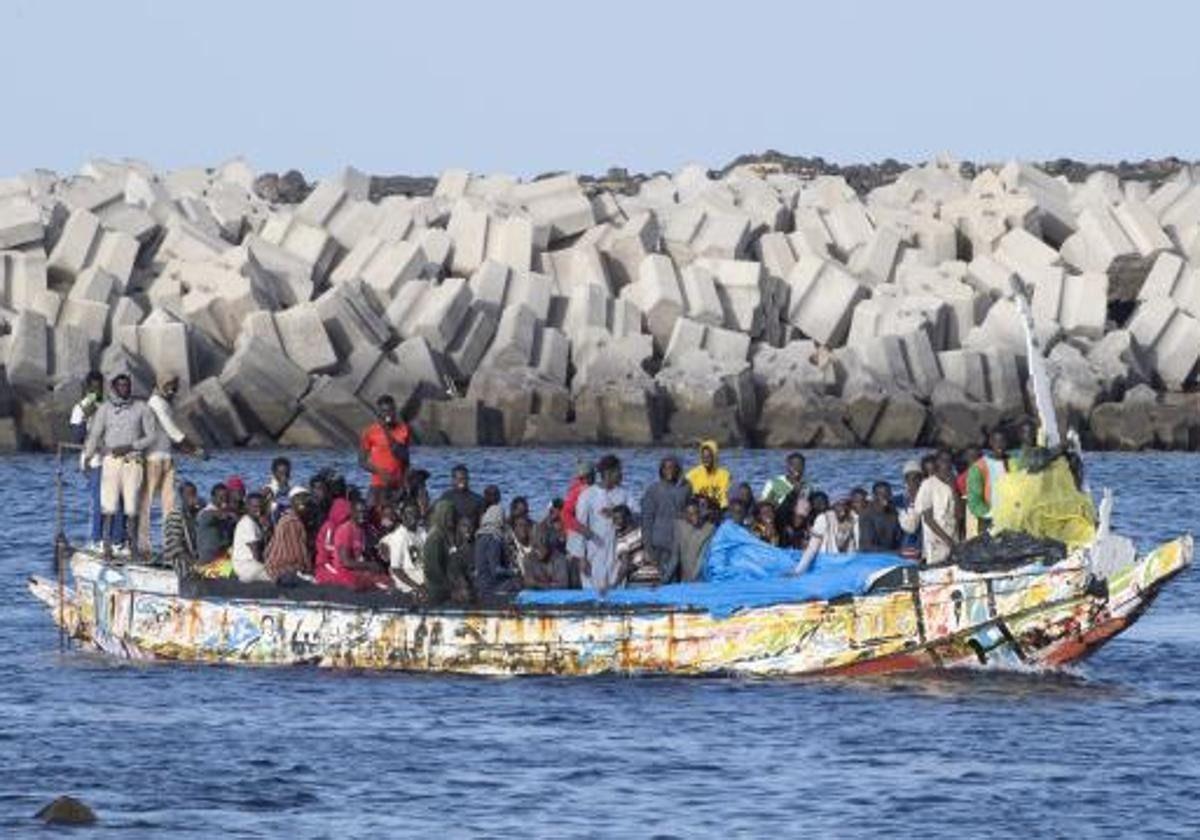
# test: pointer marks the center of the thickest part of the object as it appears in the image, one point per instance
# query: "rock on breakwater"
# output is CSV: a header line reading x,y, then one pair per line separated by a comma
x,y
765,304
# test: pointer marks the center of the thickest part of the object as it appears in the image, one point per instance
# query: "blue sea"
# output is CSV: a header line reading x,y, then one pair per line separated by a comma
x,y
1110,748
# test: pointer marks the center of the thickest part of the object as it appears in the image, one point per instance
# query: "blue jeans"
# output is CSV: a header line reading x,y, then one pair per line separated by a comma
x,y
97,521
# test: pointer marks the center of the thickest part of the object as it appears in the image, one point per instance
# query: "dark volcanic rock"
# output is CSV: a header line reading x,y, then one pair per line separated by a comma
x,y
289,188
66,810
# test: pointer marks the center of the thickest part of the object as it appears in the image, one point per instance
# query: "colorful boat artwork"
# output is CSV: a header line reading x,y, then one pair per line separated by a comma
x,y
1038,614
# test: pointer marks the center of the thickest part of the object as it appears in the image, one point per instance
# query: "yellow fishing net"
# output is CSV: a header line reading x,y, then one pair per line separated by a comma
x,y
1045,504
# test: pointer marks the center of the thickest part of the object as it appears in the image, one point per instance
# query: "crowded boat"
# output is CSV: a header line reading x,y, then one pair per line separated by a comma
x,y
394,527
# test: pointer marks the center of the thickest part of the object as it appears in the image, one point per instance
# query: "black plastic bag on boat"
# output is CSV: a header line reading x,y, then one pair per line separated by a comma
x,y
1008,550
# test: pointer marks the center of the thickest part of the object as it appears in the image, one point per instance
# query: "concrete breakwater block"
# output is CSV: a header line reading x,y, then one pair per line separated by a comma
x,y
625,309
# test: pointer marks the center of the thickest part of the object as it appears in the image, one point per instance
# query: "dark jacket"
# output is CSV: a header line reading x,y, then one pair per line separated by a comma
x,y
444,570
466,503
661,506
879,529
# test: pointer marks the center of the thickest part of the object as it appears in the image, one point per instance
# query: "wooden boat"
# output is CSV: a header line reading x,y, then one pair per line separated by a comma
x,y
936,617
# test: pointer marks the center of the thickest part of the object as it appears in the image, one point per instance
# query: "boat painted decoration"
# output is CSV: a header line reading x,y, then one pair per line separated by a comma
x,y
1033,615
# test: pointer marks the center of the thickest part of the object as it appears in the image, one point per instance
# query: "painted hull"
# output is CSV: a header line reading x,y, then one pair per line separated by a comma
x,y
1030,616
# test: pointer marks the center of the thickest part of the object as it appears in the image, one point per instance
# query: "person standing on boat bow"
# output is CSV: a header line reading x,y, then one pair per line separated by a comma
x,y
121,431
160,460
383,448
82,415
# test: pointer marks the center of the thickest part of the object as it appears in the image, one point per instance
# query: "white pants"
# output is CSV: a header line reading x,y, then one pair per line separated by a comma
x,y
121,484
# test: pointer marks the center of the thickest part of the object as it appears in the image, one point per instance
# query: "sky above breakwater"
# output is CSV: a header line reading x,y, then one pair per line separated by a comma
x,y
526,87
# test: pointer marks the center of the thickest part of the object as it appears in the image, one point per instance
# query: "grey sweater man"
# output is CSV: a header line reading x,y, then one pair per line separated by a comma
x,y
121,426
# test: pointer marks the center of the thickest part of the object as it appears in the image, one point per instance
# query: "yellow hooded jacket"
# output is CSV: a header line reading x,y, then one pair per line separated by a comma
x,y
712,484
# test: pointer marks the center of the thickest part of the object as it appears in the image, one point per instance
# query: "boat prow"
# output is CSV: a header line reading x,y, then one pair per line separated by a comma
x,y
1037,614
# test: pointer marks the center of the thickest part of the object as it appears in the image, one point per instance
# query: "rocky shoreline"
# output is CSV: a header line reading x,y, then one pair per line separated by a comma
x,y
778,301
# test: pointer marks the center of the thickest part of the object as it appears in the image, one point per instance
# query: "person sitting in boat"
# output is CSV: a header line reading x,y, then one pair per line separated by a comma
x,y
289,555
444,560
236,489
794,533
248,542
983,480
402,549
738,513
380,521
692,535
320,502
341,546
518,508
764,526
709,478
637,567
467,503
585,477
879,524
214,526
519,545
179,532
417,491
462,556
546,566
859,499
831,531
594,512
383,448
494,574
280,485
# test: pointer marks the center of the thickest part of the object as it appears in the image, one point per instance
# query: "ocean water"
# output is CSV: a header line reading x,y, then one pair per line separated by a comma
x,y
1108,748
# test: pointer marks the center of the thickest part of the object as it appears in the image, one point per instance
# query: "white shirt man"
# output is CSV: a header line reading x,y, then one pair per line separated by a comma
x,y
247,542
937,498
404,546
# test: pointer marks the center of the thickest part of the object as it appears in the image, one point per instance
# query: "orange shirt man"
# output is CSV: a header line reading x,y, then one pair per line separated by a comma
x,y
383,447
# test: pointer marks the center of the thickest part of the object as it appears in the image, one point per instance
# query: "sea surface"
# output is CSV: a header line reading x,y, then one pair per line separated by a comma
x,y
1110,748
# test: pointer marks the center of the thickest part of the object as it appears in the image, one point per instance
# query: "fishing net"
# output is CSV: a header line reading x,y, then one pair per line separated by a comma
x,y
1045,503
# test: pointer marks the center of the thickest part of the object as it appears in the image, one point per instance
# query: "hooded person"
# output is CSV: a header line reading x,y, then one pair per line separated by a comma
x,y
493,573
340,550
708,478
444,574
121,430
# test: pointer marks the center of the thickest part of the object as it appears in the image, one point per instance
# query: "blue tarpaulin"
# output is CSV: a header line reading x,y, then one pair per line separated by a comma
x,y
741,571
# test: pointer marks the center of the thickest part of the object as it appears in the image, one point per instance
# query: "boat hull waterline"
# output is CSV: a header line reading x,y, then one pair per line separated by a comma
x,y
1034,615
